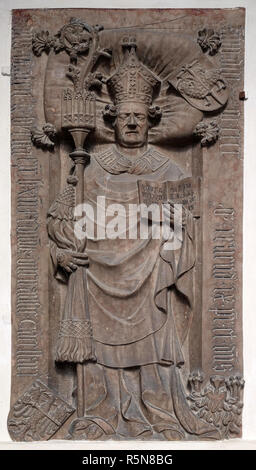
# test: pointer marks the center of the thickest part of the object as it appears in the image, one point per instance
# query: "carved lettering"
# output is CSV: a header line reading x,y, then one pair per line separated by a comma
x,y
223,313
28,351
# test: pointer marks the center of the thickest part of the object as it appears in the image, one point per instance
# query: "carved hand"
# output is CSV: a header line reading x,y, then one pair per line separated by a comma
x,y
168,212
70,260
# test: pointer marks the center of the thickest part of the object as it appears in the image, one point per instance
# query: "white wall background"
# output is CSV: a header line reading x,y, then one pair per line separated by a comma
x,y
249,315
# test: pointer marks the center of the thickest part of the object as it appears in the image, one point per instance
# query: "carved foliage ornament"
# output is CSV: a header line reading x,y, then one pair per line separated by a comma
x,y
209,40
45,137
207,131
219,402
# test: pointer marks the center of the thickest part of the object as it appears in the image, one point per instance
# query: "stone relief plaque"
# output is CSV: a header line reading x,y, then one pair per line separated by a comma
x,y
127,171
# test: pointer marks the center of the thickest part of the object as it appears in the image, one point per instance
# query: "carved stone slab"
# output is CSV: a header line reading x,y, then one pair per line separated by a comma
x,y
117,334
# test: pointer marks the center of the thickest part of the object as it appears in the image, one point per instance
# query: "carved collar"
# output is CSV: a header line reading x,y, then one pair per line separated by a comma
x,y
115,163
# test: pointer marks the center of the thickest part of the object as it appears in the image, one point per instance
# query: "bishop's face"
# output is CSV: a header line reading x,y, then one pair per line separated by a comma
x,y
131,124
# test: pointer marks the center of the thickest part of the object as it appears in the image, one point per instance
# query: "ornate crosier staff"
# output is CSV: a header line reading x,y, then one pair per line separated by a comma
x,y
81,159
78,113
